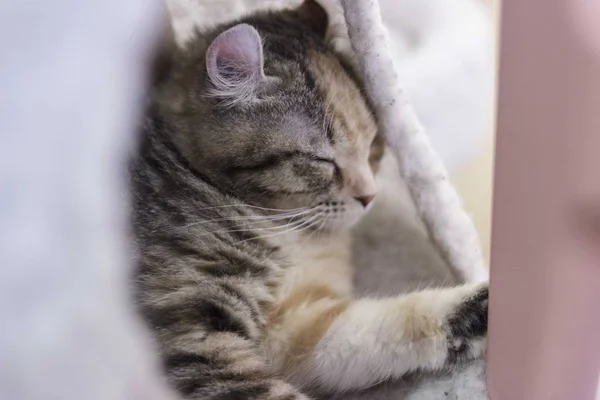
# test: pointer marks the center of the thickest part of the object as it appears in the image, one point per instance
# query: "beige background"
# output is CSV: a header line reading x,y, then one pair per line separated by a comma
x,y
474,180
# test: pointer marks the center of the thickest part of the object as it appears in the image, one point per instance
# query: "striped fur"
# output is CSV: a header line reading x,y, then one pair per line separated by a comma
x,y
241,219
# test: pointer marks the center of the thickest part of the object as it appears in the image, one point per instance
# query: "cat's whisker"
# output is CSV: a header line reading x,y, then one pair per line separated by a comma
x,y
272,218
301,227
318,228
322,224
255,218
310,224
291,226
251,229
307,240
307,221
298,228
241,206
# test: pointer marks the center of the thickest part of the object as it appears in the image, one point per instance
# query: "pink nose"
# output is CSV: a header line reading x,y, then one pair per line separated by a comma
x,y
365,200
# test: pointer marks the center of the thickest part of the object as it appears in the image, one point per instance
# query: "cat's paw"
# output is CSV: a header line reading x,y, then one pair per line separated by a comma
x,y
467,326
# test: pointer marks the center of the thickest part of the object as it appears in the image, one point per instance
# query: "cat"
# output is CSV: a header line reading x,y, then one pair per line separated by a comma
x,y
258,154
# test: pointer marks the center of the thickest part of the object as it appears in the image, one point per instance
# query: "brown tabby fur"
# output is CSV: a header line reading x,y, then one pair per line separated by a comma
x,y
241,216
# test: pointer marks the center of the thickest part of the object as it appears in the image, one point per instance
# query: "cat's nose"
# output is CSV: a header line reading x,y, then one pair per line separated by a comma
x,y
365,200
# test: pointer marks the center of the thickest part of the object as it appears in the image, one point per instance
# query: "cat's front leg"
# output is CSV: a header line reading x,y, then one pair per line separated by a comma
x,y
343,346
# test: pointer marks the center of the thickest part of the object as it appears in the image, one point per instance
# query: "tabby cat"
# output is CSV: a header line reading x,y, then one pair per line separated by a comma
x,y
258,154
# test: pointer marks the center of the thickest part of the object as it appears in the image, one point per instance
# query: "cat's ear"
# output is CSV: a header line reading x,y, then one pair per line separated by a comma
x,y
234,63
315,16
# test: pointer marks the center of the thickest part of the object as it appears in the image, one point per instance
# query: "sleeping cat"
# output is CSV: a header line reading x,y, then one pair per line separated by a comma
x,y
258,154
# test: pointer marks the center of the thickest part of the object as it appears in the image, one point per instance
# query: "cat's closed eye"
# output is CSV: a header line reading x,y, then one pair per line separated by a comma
x,y
324,162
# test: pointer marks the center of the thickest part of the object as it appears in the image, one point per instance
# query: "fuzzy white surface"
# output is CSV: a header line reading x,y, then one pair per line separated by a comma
x,y
450,228
70,91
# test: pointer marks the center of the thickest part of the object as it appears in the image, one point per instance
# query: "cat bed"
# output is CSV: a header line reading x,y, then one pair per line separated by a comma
x,y
418,233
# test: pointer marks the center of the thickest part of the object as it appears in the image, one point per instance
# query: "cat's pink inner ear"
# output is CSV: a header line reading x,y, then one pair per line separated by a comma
x,y
235,56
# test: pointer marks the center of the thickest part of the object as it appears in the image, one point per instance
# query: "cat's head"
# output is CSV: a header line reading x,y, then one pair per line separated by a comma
x,y
265,110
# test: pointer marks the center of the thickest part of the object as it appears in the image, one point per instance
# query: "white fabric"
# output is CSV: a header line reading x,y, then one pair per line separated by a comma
x,y
443,51
71,79
436,201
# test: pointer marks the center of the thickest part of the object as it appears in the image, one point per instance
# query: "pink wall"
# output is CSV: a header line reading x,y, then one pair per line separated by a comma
x,y
545,295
